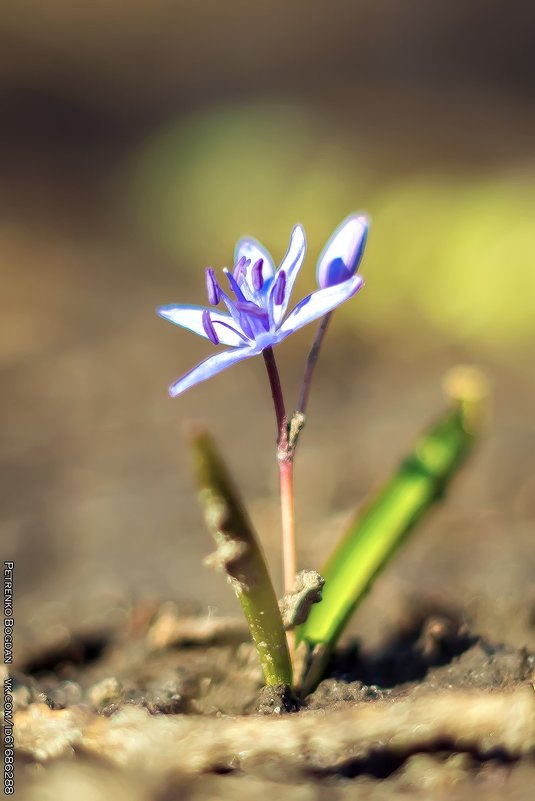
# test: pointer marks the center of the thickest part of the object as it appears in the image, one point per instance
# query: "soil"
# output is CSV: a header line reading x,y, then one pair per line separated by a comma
x,y
170,705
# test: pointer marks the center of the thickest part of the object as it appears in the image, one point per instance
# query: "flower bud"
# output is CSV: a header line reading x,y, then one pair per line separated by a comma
x,y
342,254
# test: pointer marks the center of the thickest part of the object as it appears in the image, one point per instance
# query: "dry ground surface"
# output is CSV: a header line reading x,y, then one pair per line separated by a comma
x,y
167,705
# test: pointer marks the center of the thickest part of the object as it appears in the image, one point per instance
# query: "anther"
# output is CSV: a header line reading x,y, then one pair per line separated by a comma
x,y
208,326
279,289
239,270
212,287
258,278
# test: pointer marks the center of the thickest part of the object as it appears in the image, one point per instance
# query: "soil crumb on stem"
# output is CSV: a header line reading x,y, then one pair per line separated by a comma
x,y
278,699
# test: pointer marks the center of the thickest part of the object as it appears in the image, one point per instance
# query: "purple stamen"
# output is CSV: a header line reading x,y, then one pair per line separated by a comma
x,y
212,287
279,289
234,286
239,270
250,313
258,278
230,328
249,307
208,326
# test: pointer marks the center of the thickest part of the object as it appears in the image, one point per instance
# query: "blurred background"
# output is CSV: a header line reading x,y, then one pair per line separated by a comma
x,y
138,141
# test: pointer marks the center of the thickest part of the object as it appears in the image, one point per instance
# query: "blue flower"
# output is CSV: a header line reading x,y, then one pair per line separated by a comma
x,y
343,252
255,317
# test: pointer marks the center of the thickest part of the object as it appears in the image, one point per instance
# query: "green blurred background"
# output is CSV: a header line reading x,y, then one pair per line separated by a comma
x,y
139,141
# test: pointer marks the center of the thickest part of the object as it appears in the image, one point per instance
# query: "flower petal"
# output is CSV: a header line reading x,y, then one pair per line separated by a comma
x,y
319,303
342,254
210,367
252,250
291,264
190,317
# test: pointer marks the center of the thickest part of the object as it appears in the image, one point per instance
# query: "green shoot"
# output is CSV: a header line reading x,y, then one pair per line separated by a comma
x,y
382,525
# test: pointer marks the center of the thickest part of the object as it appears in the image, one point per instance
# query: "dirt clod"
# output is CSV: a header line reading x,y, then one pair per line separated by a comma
x,y
276,700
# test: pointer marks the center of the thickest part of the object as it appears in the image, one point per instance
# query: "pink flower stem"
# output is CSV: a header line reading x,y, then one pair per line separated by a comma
x,y
285,460
286,445
286,475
